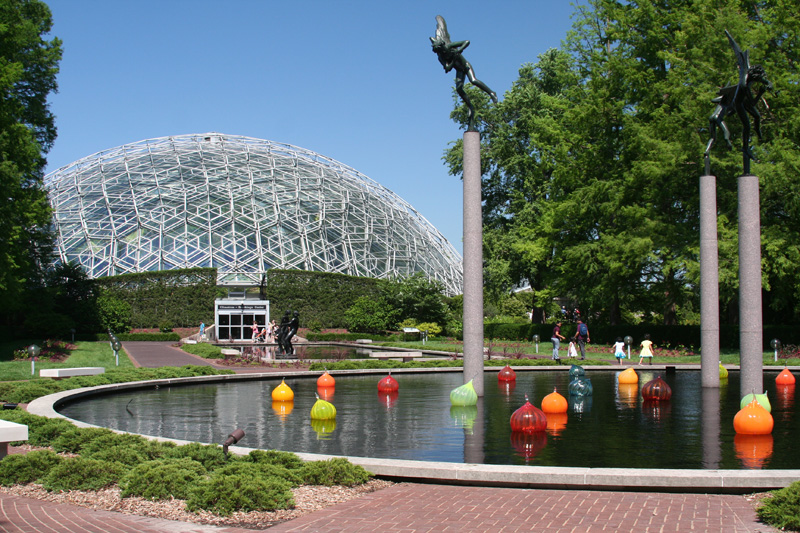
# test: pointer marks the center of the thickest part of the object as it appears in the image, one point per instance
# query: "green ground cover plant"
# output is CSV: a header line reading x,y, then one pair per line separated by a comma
x,y
224,494
79,473
781,509
27,468
162,479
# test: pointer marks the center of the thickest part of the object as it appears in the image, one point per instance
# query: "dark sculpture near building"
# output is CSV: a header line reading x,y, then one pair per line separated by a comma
x,y
291,331
450,57
741,100
283,328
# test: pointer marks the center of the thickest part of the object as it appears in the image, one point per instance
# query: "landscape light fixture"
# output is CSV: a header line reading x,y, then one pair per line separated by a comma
x,y
776,345
33,351
233,438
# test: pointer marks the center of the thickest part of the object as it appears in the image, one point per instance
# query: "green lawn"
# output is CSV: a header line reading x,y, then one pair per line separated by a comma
x,y
507,349
86,354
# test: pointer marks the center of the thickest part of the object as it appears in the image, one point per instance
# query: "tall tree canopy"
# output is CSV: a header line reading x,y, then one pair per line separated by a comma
x,y
28,68
592,160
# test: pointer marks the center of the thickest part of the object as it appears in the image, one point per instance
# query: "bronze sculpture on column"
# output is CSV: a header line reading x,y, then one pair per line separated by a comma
x,y
451,58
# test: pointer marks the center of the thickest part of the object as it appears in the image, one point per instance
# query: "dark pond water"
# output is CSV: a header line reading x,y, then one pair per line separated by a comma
x,y
612,428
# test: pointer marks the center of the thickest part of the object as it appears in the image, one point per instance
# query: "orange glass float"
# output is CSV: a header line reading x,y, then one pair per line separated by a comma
x,y
556,422
554,403
528,419
326,393
506,374
388,384
785,378
326,380
753,420
282,393
628,376
785,400
753,450
656,390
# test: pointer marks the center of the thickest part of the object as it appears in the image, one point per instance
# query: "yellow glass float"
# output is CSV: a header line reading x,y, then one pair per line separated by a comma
x,y
323,410
323,428
628,375
282,393
723,372
283,409
464,395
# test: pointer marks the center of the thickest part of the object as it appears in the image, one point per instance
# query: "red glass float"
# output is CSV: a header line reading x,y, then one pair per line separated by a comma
x,y
507,374
785,378
785,400
753,420
528,418
556,422
528,445
388,399
656,410
326,380
388,384
753,450
554,403
656,390
506,387
326,393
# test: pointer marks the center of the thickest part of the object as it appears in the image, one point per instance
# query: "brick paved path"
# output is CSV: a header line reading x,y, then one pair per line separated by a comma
x,y
412,507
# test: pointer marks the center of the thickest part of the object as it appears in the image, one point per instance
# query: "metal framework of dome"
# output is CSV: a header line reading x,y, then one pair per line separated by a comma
x,y
242,205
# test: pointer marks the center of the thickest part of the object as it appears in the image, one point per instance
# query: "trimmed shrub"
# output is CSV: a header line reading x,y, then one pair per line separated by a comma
x,y
27,468
274,457
244,468
123,454
337,471
210,456
78,473
782,508
162,479
27,391
73,440
225,494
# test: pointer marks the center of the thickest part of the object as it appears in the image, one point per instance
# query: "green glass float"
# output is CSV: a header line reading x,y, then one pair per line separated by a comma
x,y
580,387
464,395
576,371
323,410
762,400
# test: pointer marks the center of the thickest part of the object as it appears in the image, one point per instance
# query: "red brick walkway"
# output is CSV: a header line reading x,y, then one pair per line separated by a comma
x,y
409,507
412,507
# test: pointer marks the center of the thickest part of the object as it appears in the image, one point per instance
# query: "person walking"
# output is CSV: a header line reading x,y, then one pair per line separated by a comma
x,y
582,337
619,350
556,339
647,349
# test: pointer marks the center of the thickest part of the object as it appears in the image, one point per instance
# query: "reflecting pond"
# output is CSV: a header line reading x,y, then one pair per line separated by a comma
x,y
611,428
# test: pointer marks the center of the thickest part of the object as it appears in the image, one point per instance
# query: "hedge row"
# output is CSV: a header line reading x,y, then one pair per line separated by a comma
x,y
321,298
666,336
181,297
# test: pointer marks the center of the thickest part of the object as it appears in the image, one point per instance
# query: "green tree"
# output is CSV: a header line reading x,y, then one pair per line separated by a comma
x,y
371,315
28,68
416,297
592,159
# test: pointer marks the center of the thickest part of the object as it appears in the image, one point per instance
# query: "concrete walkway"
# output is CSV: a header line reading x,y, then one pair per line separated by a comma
x,y
412,507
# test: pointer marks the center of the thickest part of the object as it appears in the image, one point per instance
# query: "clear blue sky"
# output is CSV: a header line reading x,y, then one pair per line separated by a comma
x,y
355,81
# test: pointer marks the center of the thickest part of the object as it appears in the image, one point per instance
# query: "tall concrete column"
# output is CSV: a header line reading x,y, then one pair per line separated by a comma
x,y
473,262
750,327
709,283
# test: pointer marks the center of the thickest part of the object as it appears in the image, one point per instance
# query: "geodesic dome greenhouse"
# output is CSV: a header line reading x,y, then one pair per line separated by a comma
x,y
242,205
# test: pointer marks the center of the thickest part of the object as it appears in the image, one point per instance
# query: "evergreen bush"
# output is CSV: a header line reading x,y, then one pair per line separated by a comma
x,y
204,350
74,439
223,494
162,479
274,457
210,456
78,473
781,508
265,470
27,468
337,471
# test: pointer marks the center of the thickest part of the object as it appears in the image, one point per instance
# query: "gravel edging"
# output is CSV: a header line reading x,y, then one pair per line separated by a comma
x,y
307,498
